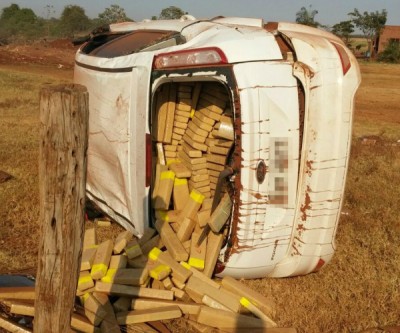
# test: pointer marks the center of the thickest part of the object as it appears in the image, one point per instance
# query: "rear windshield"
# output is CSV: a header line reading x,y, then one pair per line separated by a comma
x,y
116,45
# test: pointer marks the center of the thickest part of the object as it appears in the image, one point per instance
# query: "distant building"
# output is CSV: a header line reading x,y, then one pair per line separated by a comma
x,y
389,32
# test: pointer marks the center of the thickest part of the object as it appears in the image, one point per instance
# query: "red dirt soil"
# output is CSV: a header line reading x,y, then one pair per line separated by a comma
x,y
58,53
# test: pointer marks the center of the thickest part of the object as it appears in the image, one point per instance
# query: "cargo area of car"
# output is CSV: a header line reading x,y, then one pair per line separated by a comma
x,y
192,145
199,136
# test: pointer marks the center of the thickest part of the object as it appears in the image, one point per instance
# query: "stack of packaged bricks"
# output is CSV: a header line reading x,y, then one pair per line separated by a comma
x,y
167,273
194,129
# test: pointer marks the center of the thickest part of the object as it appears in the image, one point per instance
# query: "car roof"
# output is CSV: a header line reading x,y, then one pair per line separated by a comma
x,y
183,22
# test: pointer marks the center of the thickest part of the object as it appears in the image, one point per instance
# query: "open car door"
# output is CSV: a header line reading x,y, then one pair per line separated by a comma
x,y
118,124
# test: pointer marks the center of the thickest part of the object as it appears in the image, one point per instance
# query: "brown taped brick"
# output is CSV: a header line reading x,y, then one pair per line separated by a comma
x,y
204,118
132,249
218,159
88,258
191,152
170,147
102,260
180,193
122,239
182,125
191,160
169,121
194,144
202,125
186,229
171,241
195,137
90,238
154,314
161,109
197,130
164,191
180,170
210,106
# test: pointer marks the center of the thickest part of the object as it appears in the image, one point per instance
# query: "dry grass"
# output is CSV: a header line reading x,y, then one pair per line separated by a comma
x,y
358,290
377,101
19,144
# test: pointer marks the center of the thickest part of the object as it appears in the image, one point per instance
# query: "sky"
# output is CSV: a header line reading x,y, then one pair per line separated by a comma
x,y
329,11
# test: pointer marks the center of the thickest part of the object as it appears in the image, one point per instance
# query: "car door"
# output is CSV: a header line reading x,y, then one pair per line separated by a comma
x,y
118,122
269,137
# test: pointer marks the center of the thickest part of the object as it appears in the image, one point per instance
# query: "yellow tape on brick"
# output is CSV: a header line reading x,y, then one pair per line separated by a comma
x,y
99,267
167,175
196,263
197,196
84,279
186,265
154,253
180,181
84,297
245,302
160,271
109,277
169,162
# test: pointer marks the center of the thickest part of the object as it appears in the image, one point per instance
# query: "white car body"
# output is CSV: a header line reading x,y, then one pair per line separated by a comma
x,y
292,91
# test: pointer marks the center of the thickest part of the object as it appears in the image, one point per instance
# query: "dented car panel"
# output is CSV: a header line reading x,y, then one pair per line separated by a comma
x,y
255,44
291,94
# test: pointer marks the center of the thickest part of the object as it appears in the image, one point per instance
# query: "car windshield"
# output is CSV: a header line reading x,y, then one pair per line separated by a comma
x,y
116,45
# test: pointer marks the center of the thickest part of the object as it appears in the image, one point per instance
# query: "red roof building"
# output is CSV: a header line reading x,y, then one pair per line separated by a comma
x,y
389,32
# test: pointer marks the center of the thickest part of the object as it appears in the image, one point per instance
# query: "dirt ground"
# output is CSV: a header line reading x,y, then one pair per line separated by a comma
x,y
357,292
59,53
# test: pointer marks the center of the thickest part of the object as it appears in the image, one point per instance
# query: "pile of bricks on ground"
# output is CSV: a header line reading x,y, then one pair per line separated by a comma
x,y
131,283
167,273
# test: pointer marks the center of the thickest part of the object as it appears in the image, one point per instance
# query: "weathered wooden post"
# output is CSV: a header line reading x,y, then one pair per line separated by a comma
x,y
62,177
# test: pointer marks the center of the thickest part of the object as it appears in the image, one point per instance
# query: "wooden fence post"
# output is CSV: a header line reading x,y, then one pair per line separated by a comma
x,y
62,179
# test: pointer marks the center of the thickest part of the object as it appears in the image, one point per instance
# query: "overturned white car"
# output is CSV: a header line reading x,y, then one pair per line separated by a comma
x,y
261,114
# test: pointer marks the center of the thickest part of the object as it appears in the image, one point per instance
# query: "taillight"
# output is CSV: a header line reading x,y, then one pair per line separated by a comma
x,y
148,160
344,57
190,58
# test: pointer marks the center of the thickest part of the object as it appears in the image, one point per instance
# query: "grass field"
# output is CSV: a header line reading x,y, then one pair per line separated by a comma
x,y
358,290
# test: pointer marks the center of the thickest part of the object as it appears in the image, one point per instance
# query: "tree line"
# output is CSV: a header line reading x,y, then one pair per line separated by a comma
x,y
370,24
22,24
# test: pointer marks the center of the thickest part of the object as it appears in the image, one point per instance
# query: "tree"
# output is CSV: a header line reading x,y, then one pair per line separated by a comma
x,y
307,17
343,29
9,12
73,20
113,14
391,53
171,13
18,23
371,25
18,15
